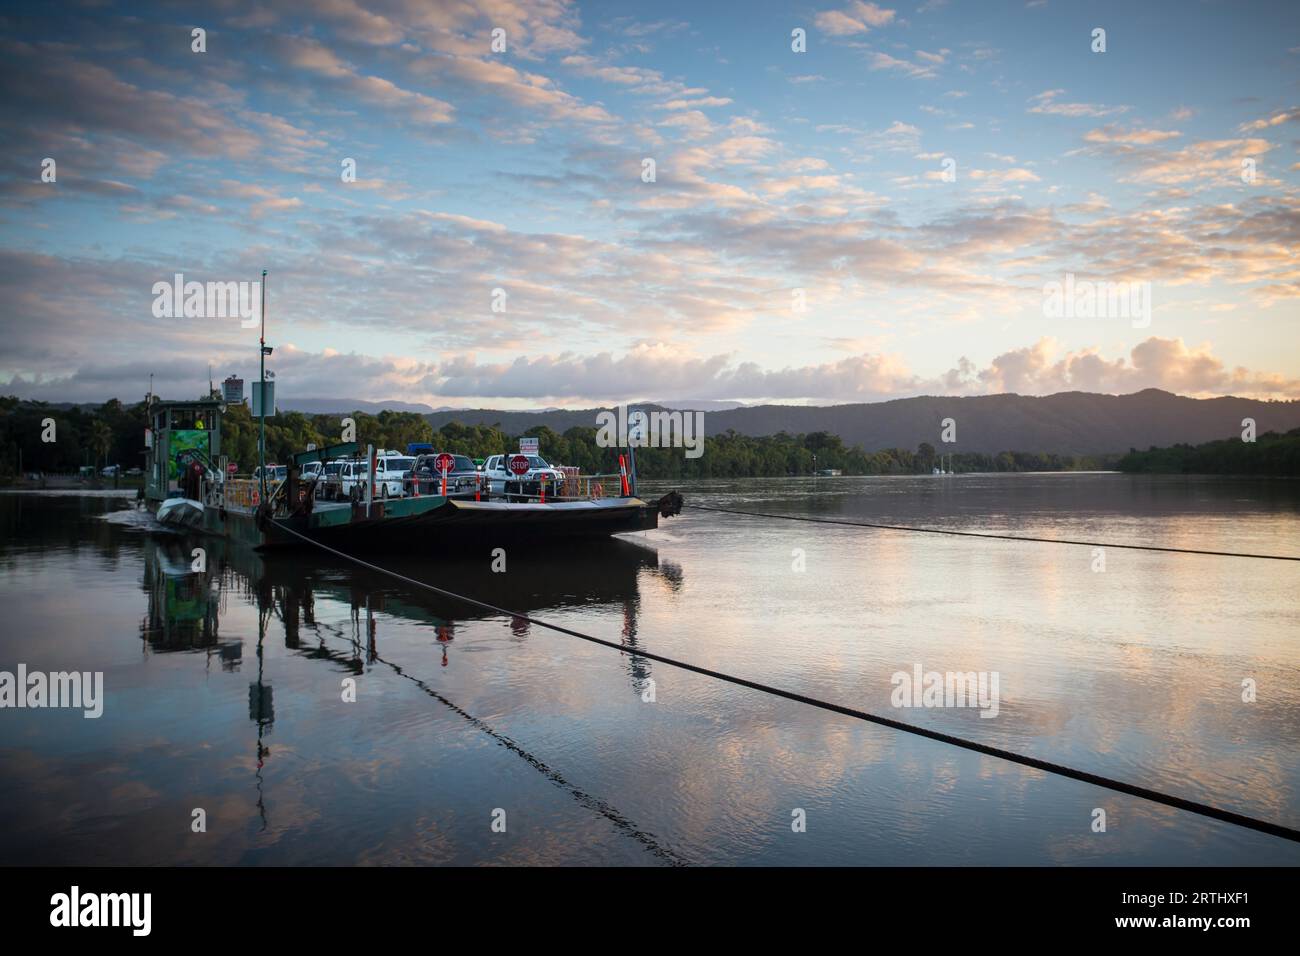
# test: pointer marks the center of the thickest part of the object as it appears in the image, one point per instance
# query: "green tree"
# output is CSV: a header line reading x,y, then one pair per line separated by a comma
x,y
101,440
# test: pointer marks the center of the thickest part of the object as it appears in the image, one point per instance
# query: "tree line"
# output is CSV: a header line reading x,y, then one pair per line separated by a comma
x,y
113,433
1270,454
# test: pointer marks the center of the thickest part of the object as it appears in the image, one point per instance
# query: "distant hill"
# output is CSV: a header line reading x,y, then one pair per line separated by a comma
x,y
1074,423
702,405
341,406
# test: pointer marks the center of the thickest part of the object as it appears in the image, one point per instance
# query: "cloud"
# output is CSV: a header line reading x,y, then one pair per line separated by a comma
x,y
409,106
1002,177
656,370
1208,162
883,61
635,76
1277,119
1113,133
898,137
688,104
693,123
1046,103
48,88
522,172
854,19
663,27
1168,364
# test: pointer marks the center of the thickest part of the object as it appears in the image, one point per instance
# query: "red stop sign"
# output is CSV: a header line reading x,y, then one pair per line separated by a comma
x,y
445,462
518,465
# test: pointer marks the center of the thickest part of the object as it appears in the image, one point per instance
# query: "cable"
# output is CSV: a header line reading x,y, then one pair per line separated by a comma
x,y
1119,786
590,801
998,537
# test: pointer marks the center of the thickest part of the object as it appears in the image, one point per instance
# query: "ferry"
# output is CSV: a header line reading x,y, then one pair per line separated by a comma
x,y
187,485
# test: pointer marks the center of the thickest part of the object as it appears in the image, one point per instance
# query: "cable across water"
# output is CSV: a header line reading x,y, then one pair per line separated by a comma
x,y
1119,786
997,537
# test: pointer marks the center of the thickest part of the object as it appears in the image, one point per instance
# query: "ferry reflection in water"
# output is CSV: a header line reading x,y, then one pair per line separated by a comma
x,y
185,608
185,604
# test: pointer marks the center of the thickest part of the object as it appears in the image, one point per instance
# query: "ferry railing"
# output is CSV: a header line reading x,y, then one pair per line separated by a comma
x,y
239,494
244,494
575,487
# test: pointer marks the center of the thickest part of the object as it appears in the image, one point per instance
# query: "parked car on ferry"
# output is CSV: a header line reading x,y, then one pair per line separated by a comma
x,y
353,476
462,479
311,471
331,473
347,478
390,475
274,473
498,473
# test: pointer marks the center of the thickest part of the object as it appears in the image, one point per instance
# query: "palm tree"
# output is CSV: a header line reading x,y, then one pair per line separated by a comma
x,y
101,439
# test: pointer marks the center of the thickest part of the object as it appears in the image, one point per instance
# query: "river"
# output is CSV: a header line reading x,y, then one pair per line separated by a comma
x,y
306,711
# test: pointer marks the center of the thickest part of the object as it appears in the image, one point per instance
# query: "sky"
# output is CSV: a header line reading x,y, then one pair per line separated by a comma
x,y
875,212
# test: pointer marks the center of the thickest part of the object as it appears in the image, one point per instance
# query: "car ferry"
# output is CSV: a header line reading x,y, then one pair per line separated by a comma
x,y
187,485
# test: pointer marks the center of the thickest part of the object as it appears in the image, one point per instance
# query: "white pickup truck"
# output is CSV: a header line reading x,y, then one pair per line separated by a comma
x,y
390,471
497,472
352,479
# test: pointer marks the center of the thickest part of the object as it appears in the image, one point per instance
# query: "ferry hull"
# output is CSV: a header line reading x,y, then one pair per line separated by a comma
x,y
454,523
411,525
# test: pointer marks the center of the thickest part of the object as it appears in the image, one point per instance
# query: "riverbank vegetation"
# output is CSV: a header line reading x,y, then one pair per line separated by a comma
x,y
1270,454
113,434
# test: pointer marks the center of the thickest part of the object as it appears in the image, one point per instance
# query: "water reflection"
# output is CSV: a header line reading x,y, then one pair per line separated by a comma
x,y
185,608
225,688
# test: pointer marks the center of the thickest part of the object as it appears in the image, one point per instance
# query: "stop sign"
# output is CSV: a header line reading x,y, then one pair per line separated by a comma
x,y
445,462
518,465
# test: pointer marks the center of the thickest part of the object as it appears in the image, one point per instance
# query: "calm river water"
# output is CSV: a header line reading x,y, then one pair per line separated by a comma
x,y
224,691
